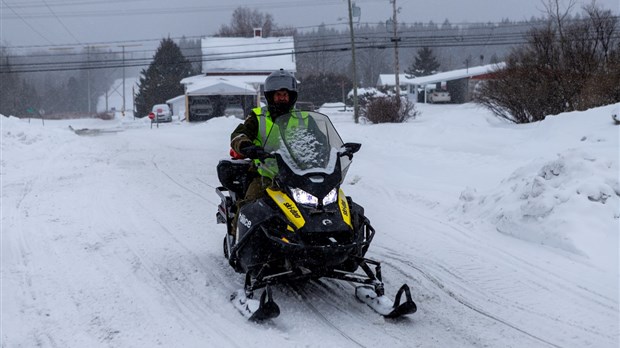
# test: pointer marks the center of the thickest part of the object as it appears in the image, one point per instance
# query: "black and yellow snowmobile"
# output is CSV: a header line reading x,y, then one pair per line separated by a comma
x,y
305,227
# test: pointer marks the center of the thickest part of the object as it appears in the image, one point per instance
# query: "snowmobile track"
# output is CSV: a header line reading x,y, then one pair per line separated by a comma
x,y
457,298
176,182
301,294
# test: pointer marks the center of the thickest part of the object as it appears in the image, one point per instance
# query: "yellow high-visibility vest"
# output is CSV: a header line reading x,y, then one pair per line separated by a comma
x,y
266,126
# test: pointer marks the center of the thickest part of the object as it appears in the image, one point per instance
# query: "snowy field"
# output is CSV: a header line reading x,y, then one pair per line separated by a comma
x,y
507,235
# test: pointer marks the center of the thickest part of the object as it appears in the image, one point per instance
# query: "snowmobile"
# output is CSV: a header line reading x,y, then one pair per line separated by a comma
x,y
304,228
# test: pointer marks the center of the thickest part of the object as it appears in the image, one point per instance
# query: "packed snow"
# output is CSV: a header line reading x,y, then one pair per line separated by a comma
x,y
507,235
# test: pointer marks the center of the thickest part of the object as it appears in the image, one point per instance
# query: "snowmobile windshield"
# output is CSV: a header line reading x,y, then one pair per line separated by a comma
x,y
307,143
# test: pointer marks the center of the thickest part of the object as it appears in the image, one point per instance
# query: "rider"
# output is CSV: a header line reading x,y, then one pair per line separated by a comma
x,y
248,140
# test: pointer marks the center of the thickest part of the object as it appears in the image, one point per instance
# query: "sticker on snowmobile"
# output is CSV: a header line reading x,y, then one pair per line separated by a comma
x,y
344,208
288,207
244,221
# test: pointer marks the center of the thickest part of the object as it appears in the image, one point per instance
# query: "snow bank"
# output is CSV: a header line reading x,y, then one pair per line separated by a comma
x,y
568,202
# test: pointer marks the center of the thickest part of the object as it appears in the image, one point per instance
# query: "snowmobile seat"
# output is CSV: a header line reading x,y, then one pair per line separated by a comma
x,y
235,175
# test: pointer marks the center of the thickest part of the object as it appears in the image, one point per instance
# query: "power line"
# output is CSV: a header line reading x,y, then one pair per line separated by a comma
x,y
419,28
187,9
486,35
61,22
26,22
136,62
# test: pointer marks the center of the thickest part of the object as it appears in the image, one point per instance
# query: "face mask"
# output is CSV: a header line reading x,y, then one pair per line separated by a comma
x,y
279,108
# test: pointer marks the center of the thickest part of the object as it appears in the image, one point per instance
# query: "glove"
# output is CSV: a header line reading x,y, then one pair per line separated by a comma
x,y
254,152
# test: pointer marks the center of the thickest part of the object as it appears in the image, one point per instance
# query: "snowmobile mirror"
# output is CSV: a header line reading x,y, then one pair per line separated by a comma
x,y
350,149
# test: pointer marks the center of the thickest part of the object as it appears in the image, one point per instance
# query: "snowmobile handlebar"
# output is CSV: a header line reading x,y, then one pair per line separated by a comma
x,y
350,149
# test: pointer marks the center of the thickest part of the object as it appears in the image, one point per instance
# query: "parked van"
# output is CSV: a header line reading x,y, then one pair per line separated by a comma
x,y
162,113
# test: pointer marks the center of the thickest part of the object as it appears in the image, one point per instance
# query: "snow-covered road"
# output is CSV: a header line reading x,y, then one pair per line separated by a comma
x,y
109,238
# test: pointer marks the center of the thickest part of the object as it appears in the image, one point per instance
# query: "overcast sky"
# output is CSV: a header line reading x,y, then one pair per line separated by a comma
x,y
28,23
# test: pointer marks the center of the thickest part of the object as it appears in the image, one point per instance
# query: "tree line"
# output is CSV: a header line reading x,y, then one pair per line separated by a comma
x,y
58,82
324,61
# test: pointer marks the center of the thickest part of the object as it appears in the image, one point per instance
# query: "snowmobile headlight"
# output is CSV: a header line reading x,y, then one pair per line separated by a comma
x,y
302,197
331,197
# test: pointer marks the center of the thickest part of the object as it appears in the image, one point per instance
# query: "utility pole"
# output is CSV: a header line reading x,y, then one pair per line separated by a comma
x,y
355,106
88,77
396,39
123,109
123,46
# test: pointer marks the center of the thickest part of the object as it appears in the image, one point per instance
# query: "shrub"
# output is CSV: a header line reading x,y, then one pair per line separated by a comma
x,y
389,110
566,65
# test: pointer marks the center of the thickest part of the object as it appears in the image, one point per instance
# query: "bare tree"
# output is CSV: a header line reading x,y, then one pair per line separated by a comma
x,y
371,62
315,54
243,22
568,64
604,25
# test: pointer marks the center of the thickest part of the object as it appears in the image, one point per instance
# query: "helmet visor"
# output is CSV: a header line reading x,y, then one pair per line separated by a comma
x,y
276,83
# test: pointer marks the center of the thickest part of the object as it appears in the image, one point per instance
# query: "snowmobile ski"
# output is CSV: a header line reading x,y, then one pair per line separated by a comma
x,y
255,310
385,306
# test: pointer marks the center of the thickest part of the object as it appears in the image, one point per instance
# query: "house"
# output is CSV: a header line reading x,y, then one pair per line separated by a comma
x,y
460,83
233,73
177,105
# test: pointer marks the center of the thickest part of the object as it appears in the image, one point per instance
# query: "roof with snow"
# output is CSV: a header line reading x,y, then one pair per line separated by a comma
x,y
252,79
216,85
390,79
176,99
248,55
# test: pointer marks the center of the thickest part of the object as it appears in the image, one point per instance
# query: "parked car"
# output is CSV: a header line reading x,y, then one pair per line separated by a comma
x,y
162,113
439,96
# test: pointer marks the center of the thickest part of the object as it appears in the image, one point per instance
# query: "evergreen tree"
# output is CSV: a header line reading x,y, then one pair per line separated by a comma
x,y
73,103
162,79
28,101
17,95
425,63
8,87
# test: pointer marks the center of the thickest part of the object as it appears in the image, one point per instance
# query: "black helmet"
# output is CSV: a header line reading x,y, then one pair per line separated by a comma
x,y
279,80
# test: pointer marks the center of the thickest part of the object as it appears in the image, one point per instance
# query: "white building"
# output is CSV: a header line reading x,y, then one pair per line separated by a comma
x,y
234,71
460,83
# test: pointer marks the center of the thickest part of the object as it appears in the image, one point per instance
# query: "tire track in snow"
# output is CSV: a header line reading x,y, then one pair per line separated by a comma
x,y
474,241
334,304
552,282
452,294
308,303
176,276
181,185
28,243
